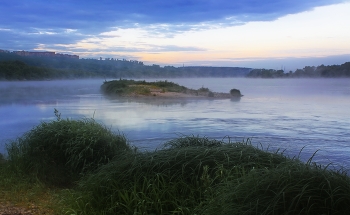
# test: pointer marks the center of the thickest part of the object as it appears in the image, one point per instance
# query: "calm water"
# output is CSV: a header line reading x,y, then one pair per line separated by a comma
x,y
277,113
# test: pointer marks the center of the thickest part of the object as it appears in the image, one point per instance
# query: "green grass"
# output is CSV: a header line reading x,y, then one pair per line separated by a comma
x,y
81,167
293,188
124,87
61,151
175,179
25,192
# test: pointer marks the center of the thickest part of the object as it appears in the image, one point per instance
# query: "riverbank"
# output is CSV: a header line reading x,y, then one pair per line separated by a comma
x,y
98,172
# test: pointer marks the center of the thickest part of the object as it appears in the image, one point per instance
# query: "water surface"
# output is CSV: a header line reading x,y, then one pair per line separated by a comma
x,y
286,114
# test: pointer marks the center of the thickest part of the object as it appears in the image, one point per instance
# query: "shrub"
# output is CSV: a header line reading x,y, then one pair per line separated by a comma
x,y
114,87
203,89
187,141
210,94
124,87
173,180
61,151
293,188
140,90
235,92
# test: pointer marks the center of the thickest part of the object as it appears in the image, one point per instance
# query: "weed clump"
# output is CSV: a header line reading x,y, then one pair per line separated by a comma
x,y
176,179
293,188
187,141
59,152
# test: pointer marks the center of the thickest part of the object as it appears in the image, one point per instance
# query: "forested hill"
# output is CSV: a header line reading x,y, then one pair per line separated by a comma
x,y
14,67
18,70
333,71
207,71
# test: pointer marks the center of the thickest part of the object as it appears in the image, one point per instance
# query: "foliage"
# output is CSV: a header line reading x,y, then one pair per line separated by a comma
x,y
210,94
173,180
235,92
126,87
109,67
12,70
23,195
2,158
187,141
41,68
18,70
61,151
168,86
293,188
342,70
189,175
203,89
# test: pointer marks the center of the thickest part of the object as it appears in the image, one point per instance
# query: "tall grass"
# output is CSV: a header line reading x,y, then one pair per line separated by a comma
x,y
59,152
293,188
189,175
186,141
170,181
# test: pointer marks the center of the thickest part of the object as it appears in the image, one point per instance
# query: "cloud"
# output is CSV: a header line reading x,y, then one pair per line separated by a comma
x,y
99,16
30,39
83,26
173,48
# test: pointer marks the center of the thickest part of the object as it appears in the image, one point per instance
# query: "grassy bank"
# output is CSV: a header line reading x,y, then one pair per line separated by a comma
x,y
80,167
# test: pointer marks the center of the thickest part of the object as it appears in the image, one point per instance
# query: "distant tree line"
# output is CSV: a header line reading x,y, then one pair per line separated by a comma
x,y
15,67
18,70
333,71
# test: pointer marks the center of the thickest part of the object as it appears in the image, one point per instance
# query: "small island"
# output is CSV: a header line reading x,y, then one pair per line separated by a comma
x,y
160,89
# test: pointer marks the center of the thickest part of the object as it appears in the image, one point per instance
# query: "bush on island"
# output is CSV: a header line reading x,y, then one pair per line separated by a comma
x,y
235,92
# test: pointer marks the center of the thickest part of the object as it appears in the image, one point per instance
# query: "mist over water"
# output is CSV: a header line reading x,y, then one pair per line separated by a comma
x,y
286,114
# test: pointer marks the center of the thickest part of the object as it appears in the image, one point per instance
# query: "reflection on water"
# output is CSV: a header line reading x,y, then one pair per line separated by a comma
x,y
166,102
275,113
152,101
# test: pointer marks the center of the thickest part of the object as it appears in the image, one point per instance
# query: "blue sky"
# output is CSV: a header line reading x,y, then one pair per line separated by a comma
x,y
249,33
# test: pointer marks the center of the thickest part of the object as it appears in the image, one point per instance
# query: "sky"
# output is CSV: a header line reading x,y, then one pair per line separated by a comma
x,y
272,34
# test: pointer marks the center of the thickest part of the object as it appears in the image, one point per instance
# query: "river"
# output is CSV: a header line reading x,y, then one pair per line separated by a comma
x,y
295,115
